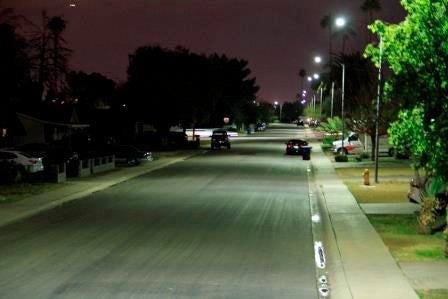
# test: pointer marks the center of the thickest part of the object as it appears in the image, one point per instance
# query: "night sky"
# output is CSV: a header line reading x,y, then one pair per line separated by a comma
x,y
277,37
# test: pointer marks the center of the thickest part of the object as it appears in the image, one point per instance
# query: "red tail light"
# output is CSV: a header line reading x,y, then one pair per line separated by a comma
x,y
32,161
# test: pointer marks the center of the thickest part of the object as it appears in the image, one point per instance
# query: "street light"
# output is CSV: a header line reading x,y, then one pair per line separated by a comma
x,y
279,105
340,22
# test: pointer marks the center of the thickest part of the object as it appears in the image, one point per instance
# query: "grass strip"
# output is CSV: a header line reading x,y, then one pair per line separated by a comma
x,y
399,233
16,192
433,294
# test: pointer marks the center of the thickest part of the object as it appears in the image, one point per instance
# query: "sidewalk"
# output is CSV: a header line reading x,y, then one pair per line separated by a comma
x,y
80,187
359,264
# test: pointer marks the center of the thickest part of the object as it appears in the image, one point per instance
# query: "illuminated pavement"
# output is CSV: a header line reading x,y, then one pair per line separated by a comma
x,y
226,224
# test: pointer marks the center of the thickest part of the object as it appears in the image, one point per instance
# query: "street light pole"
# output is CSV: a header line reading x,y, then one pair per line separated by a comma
x,y
332,97
378,97
321,95
342,104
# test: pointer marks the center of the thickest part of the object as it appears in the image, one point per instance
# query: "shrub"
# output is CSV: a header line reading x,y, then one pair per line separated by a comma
x,y
341,158
326,147
328,140
363,155
10,172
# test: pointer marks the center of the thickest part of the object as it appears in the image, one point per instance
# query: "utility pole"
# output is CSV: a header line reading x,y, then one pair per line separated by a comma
x,y
377,124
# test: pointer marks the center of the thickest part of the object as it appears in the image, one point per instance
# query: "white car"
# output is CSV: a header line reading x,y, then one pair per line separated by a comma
x,y
207,133
353,145
30,164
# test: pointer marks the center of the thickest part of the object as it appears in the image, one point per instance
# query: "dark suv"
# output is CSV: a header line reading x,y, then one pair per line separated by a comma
x,y
219,138
295,146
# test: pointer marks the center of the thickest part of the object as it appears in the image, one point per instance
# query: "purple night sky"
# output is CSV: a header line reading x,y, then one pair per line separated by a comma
x,y
277,37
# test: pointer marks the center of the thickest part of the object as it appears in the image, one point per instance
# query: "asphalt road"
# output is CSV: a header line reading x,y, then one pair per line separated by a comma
x,y
225,224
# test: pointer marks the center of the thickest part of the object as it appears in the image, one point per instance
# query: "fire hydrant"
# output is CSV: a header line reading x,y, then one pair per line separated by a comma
x,y
365,175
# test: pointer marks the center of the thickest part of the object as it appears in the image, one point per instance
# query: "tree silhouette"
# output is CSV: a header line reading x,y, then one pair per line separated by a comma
x,y
302,74
171,87
50,56
369,7
327,23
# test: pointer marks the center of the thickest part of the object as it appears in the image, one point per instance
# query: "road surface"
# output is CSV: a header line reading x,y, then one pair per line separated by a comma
x,y
225,224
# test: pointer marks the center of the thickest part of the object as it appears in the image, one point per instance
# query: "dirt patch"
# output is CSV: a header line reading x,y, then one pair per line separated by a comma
x,y
384,192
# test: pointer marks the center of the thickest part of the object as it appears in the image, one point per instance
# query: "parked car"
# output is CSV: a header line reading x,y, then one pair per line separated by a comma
x,y
53,154
294,146
260,126
219,138
130,155
353,145
29,163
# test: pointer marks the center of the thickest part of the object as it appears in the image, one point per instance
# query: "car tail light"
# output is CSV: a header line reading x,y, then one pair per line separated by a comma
x,y
32,161
289,145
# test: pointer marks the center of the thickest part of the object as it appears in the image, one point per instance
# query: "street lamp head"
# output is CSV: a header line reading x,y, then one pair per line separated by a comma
x,y
309,78
316,76
317,59
340,22
276,103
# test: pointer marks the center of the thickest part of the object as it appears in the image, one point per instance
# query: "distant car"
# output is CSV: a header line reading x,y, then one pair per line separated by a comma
x,y
260,126
130,155
294,146
29,163
219,138
232,133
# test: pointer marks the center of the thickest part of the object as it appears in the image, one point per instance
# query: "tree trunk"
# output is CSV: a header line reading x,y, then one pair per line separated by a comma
x,y
427,216
446,234
372,150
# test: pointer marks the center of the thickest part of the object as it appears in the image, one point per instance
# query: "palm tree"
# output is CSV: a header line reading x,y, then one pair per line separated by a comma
x,y
327,22
345,33
302,74
369,7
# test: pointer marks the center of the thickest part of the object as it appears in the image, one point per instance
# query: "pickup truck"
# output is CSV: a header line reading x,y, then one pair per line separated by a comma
x,y
353,145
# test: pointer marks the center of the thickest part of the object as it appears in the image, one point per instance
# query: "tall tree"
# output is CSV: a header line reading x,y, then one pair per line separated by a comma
x,y
50,56
91,91
327,23
369,7
360,96
171,87
345,33
302,74
14,70
416,51
59,53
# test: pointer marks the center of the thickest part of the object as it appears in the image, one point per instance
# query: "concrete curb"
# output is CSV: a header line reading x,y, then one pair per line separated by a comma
x,y
357,256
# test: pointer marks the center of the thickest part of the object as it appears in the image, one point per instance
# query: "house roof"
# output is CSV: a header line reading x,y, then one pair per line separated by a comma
x,y
54,123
